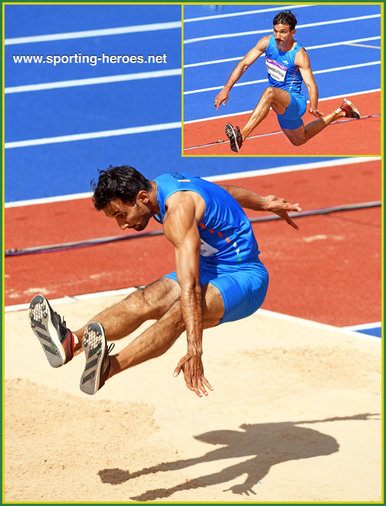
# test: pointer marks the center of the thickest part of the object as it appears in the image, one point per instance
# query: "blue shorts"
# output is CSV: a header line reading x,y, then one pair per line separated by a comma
x,y
291,119
243,287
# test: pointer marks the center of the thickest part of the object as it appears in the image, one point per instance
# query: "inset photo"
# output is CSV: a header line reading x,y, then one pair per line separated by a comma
x,y
272,80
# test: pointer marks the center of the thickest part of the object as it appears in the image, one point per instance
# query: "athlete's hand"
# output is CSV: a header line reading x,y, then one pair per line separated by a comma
x,y
221,98
193,370
315,112
281,207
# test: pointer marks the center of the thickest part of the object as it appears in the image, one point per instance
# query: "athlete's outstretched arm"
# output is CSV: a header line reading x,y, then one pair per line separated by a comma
x,y
180,227
302,60
240,68
271,203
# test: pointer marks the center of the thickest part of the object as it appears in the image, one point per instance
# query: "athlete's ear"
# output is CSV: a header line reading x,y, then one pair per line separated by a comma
x,y
293,32
143,196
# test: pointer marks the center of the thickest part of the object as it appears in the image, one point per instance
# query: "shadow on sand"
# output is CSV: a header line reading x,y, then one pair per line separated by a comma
x,y
263,445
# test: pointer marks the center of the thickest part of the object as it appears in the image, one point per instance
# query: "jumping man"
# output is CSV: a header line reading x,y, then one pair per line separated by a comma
x,y
288,65
219,276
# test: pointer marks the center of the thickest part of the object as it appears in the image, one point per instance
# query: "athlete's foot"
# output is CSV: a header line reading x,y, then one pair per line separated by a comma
x,y
350,111
97,367
234,136
56,339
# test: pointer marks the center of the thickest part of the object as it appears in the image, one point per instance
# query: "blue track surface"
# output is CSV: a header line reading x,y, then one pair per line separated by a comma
x,y
374,331
331,82
64,168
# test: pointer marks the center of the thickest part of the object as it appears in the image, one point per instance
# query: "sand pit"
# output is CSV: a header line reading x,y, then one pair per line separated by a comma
x,y
295,416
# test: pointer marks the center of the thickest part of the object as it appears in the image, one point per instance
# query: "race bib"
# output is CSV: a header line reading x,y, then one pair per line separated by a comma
x,y
206,249
276,70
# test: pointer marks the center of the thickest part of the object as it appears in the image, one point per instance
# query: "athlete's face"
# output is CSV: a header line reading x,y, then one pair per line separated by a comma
x,y
128,215
284,37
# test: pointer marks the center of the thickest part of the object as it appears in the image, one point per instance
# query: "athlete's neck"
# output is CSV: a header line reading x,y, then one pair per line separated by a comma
x,y
153,198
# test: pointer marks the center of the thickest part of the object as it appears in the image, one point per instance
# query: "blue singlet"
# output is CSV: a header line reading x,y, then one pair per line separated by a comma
x,y
284,74
229,256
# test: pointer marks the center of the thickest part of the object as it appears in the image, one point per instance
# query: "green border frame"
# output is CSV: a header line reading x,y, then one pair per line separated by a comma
x,y
2,184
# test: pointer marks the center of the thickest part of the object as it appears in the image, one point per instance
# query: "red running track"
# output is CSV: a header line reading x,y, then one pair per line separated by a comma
x,y
328,271
354,137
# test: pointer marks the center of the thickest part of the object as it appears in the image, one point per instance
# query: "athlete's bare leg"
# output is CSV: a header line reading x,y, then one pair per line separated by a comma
x,y
302,134
276,98
160,336
144,304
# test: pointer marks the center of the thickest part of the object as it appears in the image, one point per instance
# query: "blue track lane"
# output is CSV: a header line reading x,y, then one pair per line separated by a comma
x,y
263,20
102,107
67,168
166,42
29,20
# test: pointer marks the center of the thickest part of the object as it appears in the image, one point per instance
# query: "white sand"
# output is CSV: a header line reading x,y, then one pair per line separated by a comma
x,y
295,416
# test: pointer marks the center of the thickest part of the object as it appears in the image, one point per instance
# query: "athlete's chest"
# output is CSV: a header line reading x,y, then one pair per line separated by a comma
x,y
279,64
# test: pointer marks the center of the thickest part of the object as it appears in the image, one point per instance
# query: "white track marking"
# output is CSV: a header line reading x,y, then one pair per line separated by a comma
x,y
271,314
309,48
258,81
222,177
244,13
92,81
92,135
152,27
249,111
256,32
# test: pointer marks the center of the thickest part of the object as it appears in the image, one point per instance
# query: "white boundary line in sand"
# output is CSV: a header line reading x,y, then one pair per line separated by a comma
x,y
364,326
247,112
221,177
271,314
255,32
93,33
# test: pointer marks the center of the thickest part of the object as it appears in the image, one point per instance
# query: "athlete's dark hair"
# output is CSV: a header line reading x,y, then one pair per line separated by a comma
x,y
285,18
118,182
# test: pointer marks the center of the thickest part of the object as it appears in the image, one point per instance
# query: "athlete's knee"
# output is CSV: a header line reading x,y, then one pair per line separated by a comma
x,y
269,93
296,141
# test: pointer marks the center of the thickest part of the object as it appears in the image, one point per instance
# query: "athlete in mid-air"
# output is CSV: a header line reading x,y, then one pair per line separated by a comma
x,y
219,276
288,65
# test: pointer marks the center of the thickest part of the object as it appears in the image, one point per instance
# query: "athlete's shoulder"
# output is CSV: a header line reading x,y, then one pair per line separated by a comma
x,y
301,58
269,39
262,44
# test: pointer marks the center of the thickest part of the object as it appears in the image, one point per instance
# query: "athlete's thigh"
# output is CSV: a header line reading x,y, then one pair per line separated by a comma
x,y
212,305
280,100
212,301
162,293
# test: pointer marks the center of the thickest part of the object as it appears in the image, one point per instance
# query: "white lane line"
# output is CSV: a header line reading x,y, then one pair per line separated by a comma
x,y
95,80
272,314
315,324
363,45
293,168
334,162
92,135
93,33
74,298
364,326
298,27
258,81
309,48
244,13
48,200
250,110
